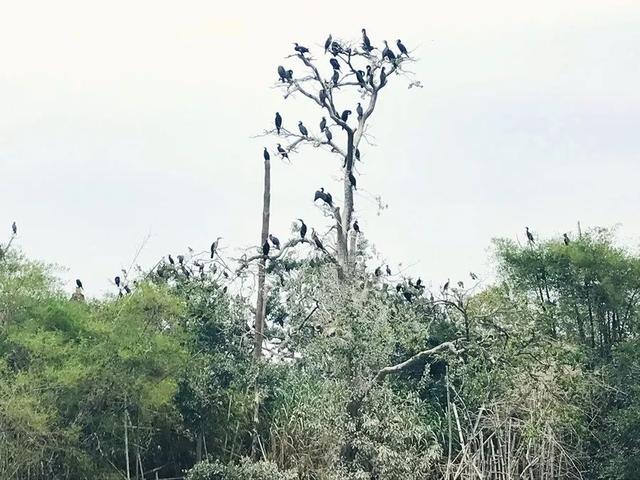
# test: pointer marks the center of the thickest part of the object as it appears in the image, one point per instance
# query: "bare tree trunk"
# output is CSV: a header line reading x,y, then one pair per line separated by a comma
x,y
261,301
126,440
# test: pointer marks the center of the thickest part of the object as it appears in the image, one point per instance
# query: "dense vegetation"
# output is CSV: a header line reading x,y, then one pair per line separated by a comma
x,y
540,379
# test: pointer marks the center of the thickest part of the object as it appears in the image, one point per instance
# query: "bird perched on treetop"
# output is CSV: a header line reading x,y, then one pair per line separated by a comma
x,y
327,44
303,228
171,259
303,129
14,228
377,272
266,155
328,134
388,53
278,122
388,270
323,124
360,78
352,180
366,43
316,240
79,284
282,152
265,248
402,48
300,49
565,238
117,280
282,73
180,259
529,235
345,115
446,286
334,63
356,227
275,241
214,247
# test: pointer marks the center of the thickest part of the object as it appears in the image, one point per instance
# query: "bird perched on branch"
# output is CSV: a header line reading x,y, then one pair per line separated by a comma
x,y
303,129
283,153
282,73
529,236
278,122
327,44
290,76
300,49
266,155
323,124
359,111
345,115
303,228
117,280
316,240
388,53
214,247
334,63
366,43
352,180
275,241
14,228
377,272
335,78
388,270
127,289
360,78
171,259
356,227
383,77
328,134
180,259
446,286
79,284
565,239
265,248
322,95
402,48
358,154
473,276
336,49
324,196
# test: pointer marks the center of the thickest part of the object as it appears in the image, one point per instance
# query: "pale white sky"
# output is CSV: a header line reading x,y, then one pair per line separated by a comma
x,y
122,119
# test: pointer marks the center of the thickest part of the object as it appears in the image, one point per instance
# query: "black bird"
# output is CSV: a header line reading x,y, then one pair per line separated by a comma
x,y
290,76
180,259
357,154
334,63
266,155
265,248
345,115
446,286
79,284
214,247
127,289
352,180
387,52
473,276
323,96
356,227
323,124
402,48
398,287
359,111
377,272
360,78
225,274
388,270
328,199
461,284
327,132
336,48
171,260
303,228
278,122
369,76
14,228
408,296
320,195
300,49
316,240
335,78
282,152
275,241
282,73
117,280
565,238
366,43
529,236
327,44
303,129
383,77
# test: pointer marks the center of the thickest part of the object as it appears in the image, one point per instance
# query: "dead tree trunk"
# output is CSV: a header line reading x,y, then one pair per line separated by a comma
x,y
264,237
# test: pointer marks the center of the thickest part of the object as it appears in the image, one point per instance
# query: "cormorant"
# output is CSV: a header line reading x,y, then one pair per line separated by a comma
x,y
565,239
265,248
300,49
323,124
334,63
267,157
282,152
335,78
388,270
328,199
319,194
461,284
356,227
290,76
352,180
387,52
402,48
529,236
214,247
360,78
366,43
225,274
278,122
275,241
303,129
323,96
473,276
327,44
399,287
79,284
180,259
408,296
327,132
357,154
117,280
127,289
383,77
171,260
224,290
282,73
446,286
369,77
419,282
316,240
377,272
303,228
14,228
335,48
359,111
345,115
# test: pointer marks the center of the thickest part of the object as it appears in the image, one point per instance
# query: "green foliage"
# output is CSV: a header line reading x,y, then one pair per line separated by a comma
x,y
246,470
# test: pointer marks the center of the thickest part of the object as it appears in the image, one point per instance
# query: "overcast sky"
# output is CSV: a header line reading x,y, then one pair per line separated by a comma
x,y
126,119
